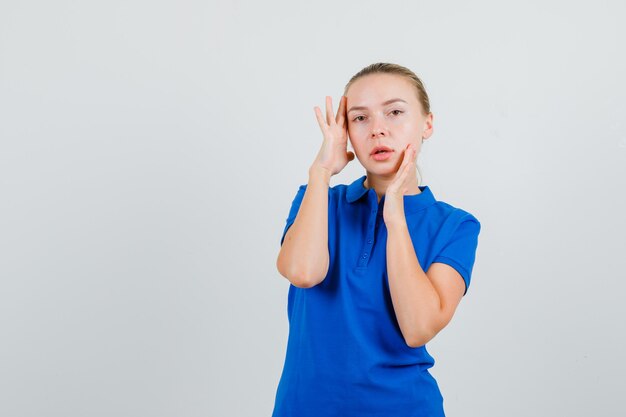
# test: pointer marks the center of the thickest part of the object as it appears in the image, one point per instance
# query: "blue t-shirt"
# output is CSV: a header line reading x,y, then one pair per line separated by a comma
x,y
346,355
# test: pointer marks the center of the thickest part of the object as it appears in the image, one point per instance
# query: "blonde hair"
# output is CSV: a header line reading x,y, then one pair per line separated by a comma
x,y
389,68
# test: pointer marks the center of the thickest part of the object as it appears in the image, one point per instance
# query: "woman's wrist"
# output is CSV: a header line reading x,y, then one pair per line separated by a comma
x,y
318,173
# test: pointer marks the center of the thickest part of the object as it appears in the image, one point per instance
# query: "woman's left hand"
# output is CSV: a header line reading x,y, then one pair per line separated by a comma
x,y
393,209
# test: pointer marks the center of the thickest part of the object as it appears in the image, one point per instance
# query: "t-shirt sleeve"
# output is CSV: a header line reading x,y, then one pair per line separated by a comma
x,y
293,212
460,251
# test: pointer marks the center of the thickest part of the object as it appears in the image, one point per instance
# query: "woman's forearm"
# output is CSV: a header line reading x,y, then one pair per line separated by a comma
x,y
303,258
415,300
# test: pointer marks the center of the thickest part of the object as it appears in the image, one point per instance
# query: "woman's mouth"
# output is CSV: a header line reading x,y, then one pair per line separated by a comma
x,y
382,155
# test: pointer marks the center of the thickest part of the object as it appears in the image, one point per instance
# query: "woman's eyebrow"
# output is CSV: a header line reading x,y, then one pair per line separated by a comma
x,y
393,100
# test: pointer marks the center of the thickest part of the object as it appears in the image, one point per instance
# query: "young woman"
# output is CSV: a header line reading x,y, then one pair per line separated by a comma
x,y
377,267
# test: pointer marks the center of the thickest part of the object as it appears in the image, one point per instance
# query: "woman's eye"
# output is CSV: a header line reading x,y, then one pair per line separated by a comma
x,y
361,118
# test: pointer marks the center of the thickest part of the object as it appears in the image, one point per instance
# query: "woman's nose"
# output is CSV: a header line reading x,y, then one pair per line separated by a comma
x,y
378,128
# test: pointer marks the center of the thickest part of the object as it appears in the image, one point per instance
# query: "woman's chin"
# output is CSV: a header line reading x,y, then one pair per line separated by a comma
x,y
382,171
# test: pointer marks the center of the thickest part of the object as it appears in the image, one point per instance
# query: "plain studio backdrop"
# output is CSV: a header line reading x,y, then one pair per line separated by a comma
x,y
150,152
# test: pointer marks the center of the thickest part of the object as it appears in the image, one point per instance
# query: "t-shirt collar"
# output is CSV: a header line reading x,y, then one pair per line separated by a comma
x,y
356,190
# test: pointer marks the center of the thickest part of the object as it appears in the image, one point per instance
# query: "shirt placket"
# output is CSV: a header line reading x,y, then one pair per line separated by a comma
x,y
375,218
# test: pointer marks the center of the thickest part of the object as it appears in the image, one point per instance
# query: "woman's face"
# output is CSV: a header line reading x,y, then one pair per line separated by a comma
x,y
383,110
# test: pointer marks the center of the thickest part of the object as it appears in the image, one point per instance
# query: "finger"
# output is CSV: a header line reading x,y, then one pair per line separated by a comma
x,y
342,111
329,111
407,156
403,172
320,118
402,177
409,165
410,154
398,179
412,162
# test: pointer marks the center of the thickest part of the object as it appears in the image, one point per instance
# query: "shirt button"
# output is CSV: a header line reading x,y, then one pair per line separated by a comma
x,y
364,255
369,241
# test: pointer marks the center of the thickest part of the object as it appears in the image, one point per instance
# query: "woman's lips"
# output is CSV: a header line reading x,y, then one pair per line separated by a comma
x,y
382,156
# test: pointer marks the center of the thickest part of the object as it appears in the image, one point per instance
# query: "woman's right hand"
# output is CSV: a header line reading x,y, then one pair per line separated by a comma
x,y
333,156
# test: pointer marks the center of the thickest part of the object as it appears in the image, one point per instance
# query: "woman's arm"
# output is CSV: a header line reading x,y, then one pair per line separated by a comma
x,y
303,258
424,303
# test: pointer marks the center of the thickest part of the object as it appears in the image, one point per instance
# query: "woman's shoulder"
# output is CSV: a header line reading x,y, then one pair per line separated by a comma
x,y
452,210
455,216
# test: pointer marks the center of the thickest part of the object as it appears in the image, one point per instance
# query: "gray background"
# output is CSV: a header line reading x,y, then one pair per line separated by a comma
x,y
150,151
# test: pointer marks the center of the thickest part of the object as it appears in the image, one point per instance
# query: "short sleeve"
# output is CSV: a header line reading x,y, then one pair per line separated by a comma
x,y
293,212
460,251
